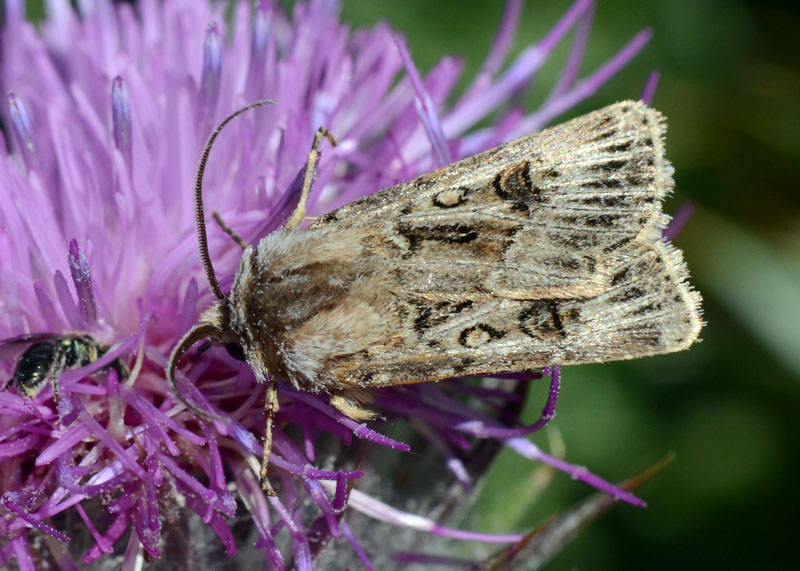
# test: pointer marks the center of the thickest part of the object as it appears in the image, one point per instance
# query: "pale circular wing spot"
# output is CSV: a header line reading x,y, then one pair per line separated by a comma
x,y
477,338
478,335
450,197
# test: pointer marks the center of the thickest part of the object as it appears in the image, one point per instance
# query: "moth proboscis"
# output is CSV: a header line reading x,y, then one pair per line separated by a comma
x,y
545,250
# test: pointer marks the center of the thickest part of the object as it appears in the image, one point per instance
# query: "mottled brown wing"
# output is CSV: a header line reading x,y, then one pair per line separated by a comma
x,y
648,309
542,217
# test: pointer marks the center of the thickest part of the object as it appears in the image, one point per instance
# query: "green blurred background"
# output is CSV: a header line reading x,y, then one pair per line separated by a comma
x,y
728,407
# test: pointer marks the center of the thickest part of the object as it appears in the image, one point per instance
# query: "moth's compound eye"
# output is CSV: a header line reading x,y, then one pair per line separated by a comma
x,y
235,351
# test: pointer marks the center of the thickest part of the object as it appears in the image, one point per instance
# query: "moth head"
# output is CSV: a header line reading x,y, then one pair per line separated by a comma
x,y
214,321
211,327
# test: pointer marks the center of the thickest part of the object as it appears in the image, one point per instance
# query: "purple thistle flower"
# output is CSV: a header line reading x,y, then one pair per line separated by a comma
x,y
107,113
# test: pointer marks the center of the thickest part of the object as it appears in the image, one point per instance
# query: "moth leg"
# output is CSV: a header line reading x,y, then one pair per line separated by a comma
x,y
228,230
308,177
271,406
351,403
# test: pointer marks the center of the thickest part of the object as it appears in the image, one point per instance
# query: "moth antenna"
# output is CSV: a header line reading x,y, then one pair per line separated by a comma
x,y
192,336
199,215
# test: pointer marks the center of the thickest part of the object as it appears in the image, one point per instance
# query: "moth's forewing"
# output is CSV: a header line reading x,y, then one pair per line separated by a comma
x,y
537,218
648,309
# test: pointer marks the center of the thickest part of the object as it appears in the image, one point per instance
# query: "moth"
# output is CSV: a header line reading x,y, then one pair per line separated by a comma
x,y
545,250
46,355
